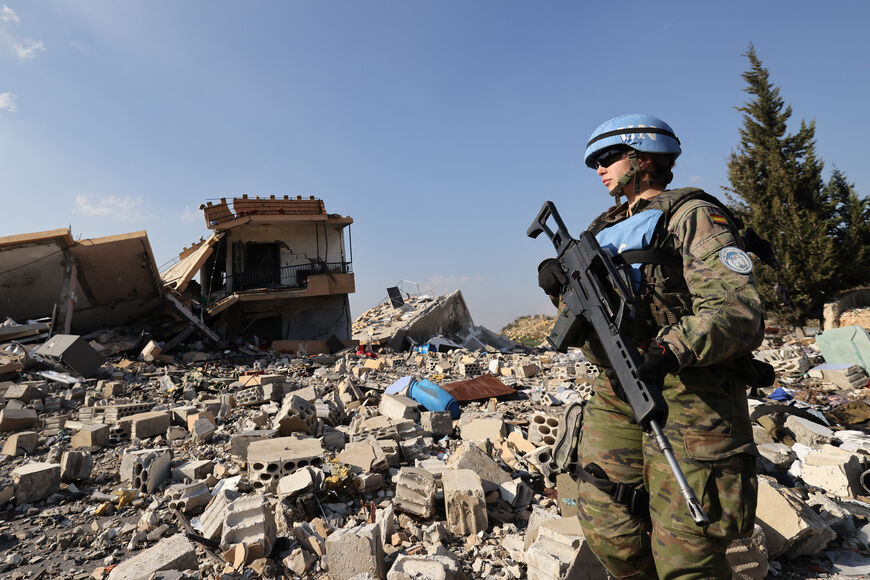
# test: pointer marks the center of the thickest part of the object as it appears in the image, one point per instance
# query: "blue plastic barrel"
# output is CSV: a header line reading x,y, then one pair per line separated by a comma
x,y
433,397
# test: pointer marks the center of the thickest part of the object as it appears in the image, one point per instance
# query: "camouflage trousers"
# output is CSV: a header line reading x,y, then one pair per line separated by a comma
x,y
709,428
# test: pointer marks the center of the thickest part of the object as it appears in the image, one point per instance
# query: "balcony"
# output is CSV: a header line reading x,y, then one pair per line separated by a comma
x,y
320,278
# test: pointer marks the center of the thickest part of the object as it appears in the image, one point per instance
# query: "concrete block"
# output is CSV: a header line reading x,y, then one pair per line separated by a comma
x,y
188,498
251,396
464,501
845,376
24,392
145,425
17,419
353,551
438,423
469,456
542,459
193,470
23,443
777,456
364,456
112,389
559,550
434,567
808,432
416,448
75,465
211,521
114,413
791,526
271,459
399,407
250,521
296,415
173,553
147,469
543,429
203,429
526,371
516,492
35,481
480,428
239,441
305,478
91,435
837,472
748,556
415,491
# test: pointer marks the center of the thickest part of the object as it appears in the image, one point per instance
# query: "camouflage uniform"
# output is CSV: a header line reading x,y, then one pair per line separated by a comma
x,y
711,318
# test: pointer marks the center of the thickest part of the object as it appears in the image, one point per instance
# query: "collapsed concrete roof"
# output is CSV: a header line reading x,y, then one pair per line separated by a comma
x,y
421,318
94,283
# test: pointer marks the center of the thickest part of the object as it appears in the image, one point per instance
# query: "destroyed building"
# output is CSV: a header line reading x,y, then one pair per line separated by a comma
x,y
274,268
82,285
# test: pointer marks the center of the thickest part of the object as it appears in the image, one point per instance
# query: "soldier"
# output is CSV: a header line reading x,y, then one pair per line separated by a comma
x,y
699,319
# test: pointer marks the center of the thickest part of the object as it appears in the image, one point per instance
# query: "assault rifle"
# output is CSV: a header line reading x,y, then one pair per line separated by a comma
x,y
601,292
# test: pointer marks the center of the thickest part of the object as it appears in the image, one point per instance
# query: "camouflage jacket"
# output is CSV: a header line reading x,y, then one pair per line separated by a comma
x,y
703,305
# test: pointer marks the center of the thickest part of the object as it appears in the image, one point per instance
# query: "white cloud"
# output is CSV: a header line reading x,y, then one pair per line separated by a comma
x,y
7,102
7,14
126,208
190,214
28,48
24,48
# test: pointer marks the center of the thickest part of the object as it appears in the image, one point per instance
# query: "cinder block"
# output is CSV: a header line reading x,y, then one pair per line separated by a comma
x,y
17,419
173,553
399,407
438,423
559,550
469,456
112,389
114,413
415,491
791,526
364,456
145,425
472,369
353,551
239,441
91,435
24,392
211,521
193,470
188,497
543,429
296,415
748,556
35,481
464,501
527,371
76,465
271,459
146,470
542,459
250,521
203,429
23,443
416,448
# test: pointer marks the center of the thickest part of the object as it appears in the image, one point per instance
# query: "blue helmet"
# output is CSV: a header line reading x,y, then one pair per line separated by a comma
x,y
639,132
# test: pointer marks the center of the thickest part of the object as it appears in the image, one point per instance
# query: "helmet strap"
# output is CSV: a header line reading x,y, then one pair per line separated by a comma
x,y
625,178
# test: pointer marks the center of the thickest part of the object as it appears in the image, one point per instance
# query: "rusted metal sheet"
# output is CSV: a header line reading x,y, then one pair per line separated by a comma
x,y
482,387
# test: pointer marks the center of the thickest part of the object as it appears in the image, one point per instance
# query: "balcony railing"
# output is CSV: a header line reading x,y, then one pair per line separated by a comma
x,y
284,277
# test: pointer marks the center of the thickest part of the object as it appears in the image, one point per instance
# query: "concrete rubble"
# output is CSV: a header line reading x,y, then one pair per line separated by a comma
x,y
240,461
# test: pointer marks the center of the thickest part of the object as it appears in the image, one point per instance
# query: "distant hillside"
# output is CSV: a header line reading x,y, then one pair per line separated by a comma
x,y
529,330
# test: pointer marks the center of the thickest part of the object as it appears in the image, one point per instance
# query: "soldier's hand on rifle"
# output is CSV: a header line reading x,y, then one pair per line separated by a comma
x,y
658,361
551,278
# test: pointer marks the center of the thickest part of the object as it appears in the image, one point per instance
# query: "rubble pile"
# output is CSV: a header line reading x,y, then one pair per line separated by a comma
x,y
529,330
245,463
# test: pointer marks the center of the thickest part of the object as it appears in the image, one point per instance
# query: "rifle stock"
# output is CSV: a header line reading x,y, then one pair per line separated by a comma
x,y
599,291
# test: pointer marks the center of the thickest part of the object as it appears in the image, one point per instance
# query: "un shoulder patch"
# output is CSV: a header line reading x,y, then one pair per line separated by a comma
x,y
736,260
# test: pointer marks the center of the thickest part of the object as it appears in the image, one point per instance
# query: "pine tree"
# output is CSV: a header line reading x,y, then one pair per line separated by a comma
x,y
776,186
851,230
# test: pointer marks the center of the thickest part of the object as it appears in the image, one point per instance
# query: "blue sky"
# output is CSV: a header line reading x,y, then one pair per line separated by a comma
x,y
440,127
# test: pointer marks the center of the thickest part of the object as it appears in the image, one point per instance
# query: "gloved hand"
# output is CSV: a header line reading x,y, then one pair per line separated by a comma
x,y
658,361
551,277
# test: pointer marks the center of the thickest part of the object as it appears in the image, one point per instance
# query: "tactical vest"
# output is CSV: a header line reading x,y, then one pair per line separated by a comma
x,y
663,295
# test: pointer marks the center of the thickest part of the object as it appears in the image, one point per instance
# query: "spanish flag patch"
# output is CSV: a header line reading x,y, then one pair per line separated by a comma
x,y
717,218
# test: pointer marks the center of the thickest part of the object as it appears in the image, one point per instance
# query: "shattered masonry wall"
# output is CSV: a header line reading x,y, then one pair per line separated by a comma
x,y
312,318
31,277
449,317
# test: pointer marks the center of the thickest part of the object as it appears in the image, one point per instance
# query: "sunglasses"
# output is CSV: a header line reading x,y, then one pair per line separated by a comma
x,y
609,158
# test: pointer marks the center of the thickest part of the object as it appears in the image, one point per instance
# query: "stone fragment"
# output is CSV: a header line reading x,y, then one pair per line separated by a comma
x,y
91,435
837,472
239,441
23,392
808,432
791,526
559,550
306,478
364,456
22,443
211,522
193,470
35,481
469,456
353,551
435,567
415,491
464,501
480,428
399,407
75,465
173,553
776,456
438,423
203,429
299,561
